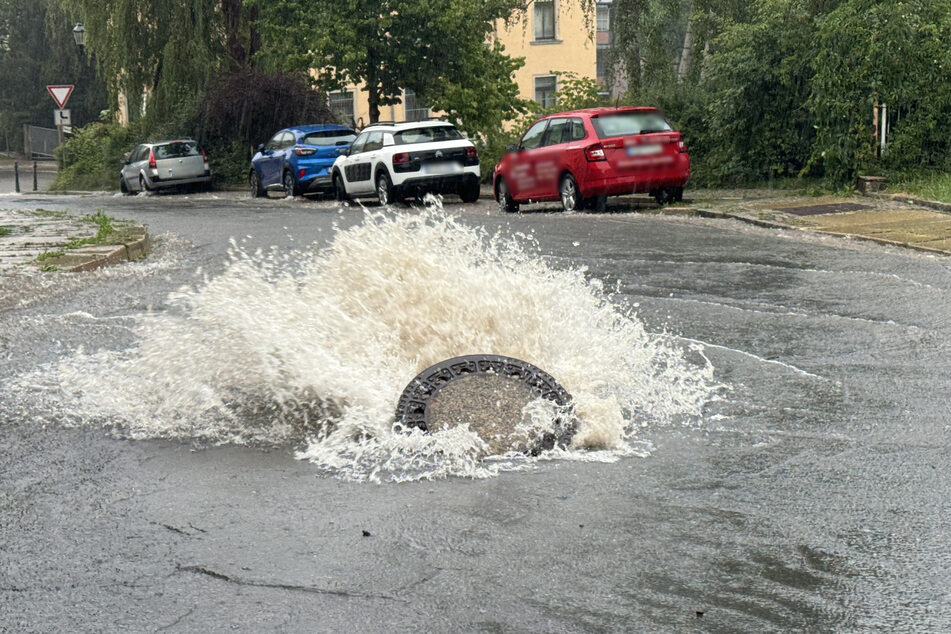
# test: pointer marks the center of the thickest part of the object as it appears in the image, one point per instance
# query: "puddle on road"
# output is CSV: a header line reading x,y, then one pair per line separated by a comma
x,y
313,348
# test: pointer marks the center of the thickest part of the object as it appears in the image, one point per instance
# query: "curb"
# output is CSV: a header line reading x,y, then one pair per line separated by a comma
x,y
921,202
94,257
709,213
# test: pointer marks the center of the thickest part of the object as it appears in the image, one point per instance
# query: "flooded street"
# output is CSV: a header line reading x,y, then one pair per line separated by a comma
x,y
780,464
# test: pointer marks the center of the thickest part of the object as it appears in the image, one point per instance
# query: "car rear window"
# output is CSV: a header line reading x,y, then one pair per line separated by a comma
x,y
328,137
625,123
427,135
177,150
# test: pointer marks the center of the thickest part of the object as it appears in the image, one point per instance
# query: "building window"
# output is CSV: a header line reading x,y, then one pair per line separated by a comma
x,y
604,17
545,90
412,109
341,104
603,57
544,19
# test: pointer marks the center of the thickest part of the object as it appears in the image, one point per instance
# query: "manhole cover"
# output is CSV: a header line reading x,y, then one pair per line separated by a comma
x,y
832,208
489,392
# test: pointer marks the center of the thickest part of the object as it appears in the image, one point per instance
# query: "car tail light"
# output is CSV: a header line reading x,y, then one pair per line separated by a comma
x,y
399,159
304,151
681,146
471,152
152,164
595,152
300,173
204,158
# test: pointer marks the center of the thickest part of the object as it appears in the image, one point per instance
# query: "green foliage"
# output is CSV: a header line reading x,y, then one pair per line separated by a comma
x,y
931,185
779,89
756,87
168,50
92,157
37,49
898,53
437,48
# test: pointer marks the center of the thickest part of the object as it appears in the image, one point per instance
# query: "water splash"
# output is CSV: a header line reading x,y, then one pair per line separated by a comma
x,y
314,347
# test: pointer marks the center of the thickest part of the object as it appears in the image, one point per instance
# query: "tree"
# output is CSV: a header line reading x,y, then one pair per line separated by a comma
x,y
37,49
898,53
167,50
438,48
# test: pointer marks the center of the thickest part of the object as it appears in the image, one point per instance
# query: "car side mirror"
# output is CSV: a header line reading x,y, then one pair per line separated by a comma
x,y
345,151
126,157
511,148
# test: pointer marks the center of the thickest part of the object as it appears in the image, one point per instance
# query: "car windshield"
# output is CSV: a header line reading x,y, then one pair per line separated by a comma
x,y
177,150
329,137
625,123
427,135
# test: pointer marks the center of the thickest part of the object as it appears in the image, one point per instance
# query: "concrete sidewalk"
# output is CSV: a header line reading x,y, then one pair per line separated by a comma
x,y
892,220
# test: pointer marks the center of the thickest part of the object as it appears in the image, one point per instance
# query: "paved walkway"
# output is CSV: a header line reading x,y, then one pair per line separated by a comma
x,y
895,220
49,239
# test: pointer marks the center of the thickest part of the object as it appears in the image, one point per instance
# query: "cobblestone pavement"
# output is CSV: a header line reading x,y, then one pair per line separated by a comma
x,y
56,240
25,235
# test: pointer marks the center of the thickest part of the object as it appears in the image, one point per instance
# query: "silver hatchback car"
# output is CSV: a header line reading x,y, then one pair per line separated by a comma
x,y
164,164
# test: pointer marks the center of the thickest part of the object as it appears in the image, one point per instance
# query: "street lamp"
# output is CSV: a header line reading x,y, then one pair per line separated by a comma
x,y
79,34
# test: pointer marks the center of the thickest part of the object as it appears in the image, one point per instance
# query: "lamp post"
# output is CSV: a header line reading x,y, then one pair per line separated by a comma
x,y
79,34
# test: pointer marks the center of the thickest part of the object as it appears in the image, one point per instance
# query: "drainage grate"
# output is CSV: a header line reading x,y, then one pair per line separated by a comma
x,y
814,210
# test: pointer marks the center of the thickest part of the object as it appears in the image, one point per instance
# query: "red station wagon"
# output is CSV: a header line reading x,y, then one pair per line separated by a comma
x,y
584,156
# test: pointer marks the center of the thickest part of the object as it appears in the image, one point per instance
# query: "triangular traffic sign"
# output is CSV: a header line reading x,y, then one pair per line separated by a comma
x,y
60,94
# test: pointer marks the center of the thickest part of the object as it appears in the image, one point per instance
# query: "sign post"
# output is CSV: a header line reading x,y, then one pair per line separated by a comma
x,y
60,94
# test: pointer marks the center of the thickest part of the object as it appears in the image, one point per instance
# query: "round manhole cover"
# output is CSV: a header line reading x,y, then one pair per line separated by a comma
x,y
489,393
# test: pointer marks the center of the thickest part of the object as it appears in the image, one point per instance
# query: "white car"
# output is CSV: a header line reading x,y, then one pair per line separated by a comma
x,y
393,161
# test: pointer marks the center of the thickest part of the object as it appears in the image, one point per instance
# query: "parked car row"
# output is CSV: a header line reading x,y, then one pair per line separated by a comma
x,y
579,157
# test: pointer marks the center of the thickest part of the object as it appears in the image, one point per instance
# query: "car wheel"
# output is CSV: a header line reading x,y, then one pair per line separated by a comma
x,y
123,187
469,191
597,204
254,182
678,194
291,188
503,196
384,188
570,196
340,191
662,196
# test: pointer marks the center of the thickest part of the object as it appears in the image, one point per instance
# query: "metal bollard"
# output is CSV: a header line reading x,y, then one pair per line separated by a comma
x,y
16,177
34,175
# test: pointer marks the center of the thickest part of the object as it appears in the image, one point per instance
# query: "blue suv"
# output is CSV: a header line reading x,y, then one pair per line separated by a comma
x,y
298,160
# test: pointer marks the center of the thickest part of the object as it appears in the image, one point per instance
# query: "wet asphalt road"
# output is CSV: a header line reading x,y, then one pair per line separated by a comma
x,y
815,497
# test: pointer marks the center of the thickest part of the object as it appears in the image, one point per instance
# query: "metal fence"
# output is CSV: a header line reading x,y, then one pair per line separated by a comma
x,y
39,142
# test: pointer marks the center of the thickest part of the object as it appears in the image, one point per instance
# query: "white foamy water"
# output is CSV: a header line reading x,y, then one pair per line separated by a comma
x,y
315,347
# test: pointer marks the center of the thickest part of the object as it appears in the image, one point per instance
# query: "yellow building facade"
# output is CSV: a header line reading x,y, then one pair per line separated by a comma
x,y
552,35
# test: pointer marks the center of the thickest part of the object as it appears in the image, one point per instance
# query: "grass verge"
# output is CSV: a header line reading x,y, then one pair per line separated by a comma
x,y
110,231
933,186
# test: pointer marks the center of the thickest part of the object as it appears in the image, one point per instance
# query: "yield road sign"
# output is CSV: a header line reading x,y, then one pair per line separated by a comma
x,y
61,117
60,94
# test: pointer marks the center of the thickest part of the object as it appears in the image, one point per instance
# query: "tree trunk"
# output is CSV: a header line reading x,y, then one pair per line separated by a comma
x,y
686,52
373,88
231,14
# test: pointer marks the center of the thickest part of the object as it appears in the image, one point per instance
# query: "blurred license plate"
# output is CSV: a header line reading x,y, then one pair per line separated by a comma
x,y
442,168
643,150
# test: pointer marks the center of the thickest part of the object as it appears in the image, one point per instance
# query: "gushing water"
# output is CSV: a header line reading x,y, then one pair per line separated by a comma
x,y
315,347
